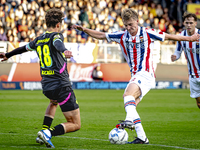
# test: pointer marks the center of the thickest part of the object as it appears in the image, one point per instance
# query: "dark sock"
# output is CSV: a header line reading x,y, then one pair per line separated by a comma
x,y
47,122
57,130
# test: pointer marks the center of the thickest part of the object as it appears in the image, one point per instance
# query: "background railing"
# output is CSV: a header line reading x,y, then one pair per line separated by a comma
x,y
105,53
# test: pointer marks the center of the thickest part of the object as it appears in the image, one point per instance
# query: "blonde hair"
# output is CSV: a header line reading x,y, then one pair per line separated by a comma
x,y
129,13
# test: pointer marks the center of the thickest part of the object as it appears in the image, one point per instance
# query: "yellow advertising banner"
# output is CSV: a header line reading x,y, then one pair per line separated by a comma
x,y
194,8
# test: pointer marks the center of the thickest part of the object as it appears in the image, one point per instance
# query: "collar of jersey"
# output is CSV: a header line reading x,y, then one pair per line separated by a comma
x,y
48,32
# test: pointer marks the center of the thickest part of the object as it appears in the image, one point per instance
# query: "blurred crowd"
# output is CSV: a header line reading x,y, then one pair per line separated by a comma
x,y
23,20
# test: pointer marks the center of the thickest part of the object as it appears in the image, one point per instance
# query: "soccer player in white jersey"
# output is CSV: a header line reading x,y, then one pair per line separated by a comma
x,y
192,51
136,44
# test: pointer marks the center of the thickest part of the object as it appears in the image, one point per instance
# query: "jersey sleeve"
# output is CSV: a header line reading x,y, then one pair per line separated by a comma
x,y
31,45
58,42
58,37
178,50
115,36
154,35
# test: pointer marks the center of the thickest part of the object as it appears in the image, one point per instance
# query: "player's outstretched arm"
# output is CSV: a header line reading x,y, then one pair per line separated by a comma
x,y
92,33
194,37
16,51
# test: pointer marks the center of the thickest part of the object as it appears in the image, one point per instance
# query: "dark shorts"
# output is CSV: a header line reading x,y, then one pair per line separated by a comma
x,y
64,96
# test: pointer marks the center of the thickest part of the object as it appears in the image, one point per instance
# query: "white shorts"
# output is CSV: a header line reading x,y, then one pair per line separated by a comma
x,y
144,80
194,87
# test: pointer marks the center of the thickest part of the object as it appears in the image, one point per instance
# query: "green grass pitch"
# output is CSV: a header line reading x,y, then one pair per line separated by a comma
x,y
170,118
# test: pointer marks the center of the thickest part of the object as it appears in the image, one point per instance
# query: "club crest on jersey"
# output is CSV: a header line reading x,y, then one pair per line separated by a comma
x,y
141,39
57,36
139,81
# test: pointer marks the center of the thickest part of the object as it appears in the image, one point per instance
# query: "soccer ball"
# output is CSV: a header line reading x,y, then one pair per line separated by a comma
x,y
118,136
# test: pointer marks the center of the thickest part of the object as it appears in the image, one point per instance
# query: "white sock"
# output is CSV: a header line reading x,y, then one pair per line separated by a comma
x,y
133,116
129,105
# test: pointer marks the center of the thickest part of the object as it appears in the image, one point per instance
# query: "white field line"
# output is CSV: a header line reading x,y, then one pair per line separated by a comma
x,y
94,139
12,71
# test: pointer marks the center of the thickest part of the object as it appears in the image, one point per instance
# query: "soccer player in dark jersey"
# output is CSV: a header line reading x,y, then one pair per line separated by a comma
x,y
55,78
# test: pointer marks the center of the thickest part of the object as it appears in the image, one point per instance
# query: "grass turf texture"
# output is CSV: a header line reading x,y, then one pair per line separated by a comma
x,y
170,119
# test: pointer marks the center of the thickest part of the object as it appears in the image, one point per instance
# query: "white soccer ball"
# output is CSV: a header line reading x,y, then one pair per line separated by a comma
x,y
118,136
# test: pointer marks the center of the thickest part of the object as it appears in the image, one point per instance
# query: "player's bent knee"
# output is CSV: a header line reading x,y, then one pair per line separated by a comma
x,y
78,127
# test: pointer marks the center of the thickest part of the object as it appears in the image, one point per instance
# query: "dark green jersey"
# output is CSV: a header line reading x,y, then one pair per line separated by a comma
x,y
53,65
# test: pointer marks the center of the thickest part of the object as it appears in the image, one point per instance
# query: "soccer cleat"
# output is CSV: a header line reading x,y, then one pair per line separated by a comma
x,y
38,140
45,136
125,124
139,141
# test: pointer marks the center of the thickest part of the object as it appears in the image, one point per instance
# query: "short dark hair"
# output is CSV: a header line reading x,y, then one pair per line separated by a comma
x,y
187,15
53,16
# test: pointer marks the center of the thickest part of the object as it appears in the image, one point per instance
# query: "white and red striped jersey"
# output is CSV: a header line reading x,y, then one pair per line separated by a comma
x,y
137,49
191,50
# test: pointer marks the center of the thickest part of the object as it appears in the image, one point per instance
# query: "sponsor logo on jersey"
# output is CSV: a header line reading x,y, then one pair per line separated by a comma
x,y
43,41
48,72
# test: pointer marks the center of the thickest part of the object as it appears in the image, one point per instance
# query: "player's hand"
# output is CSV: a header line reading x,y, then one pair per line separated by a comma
x,y
195,37
173,58
3,56
68,54
77,27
